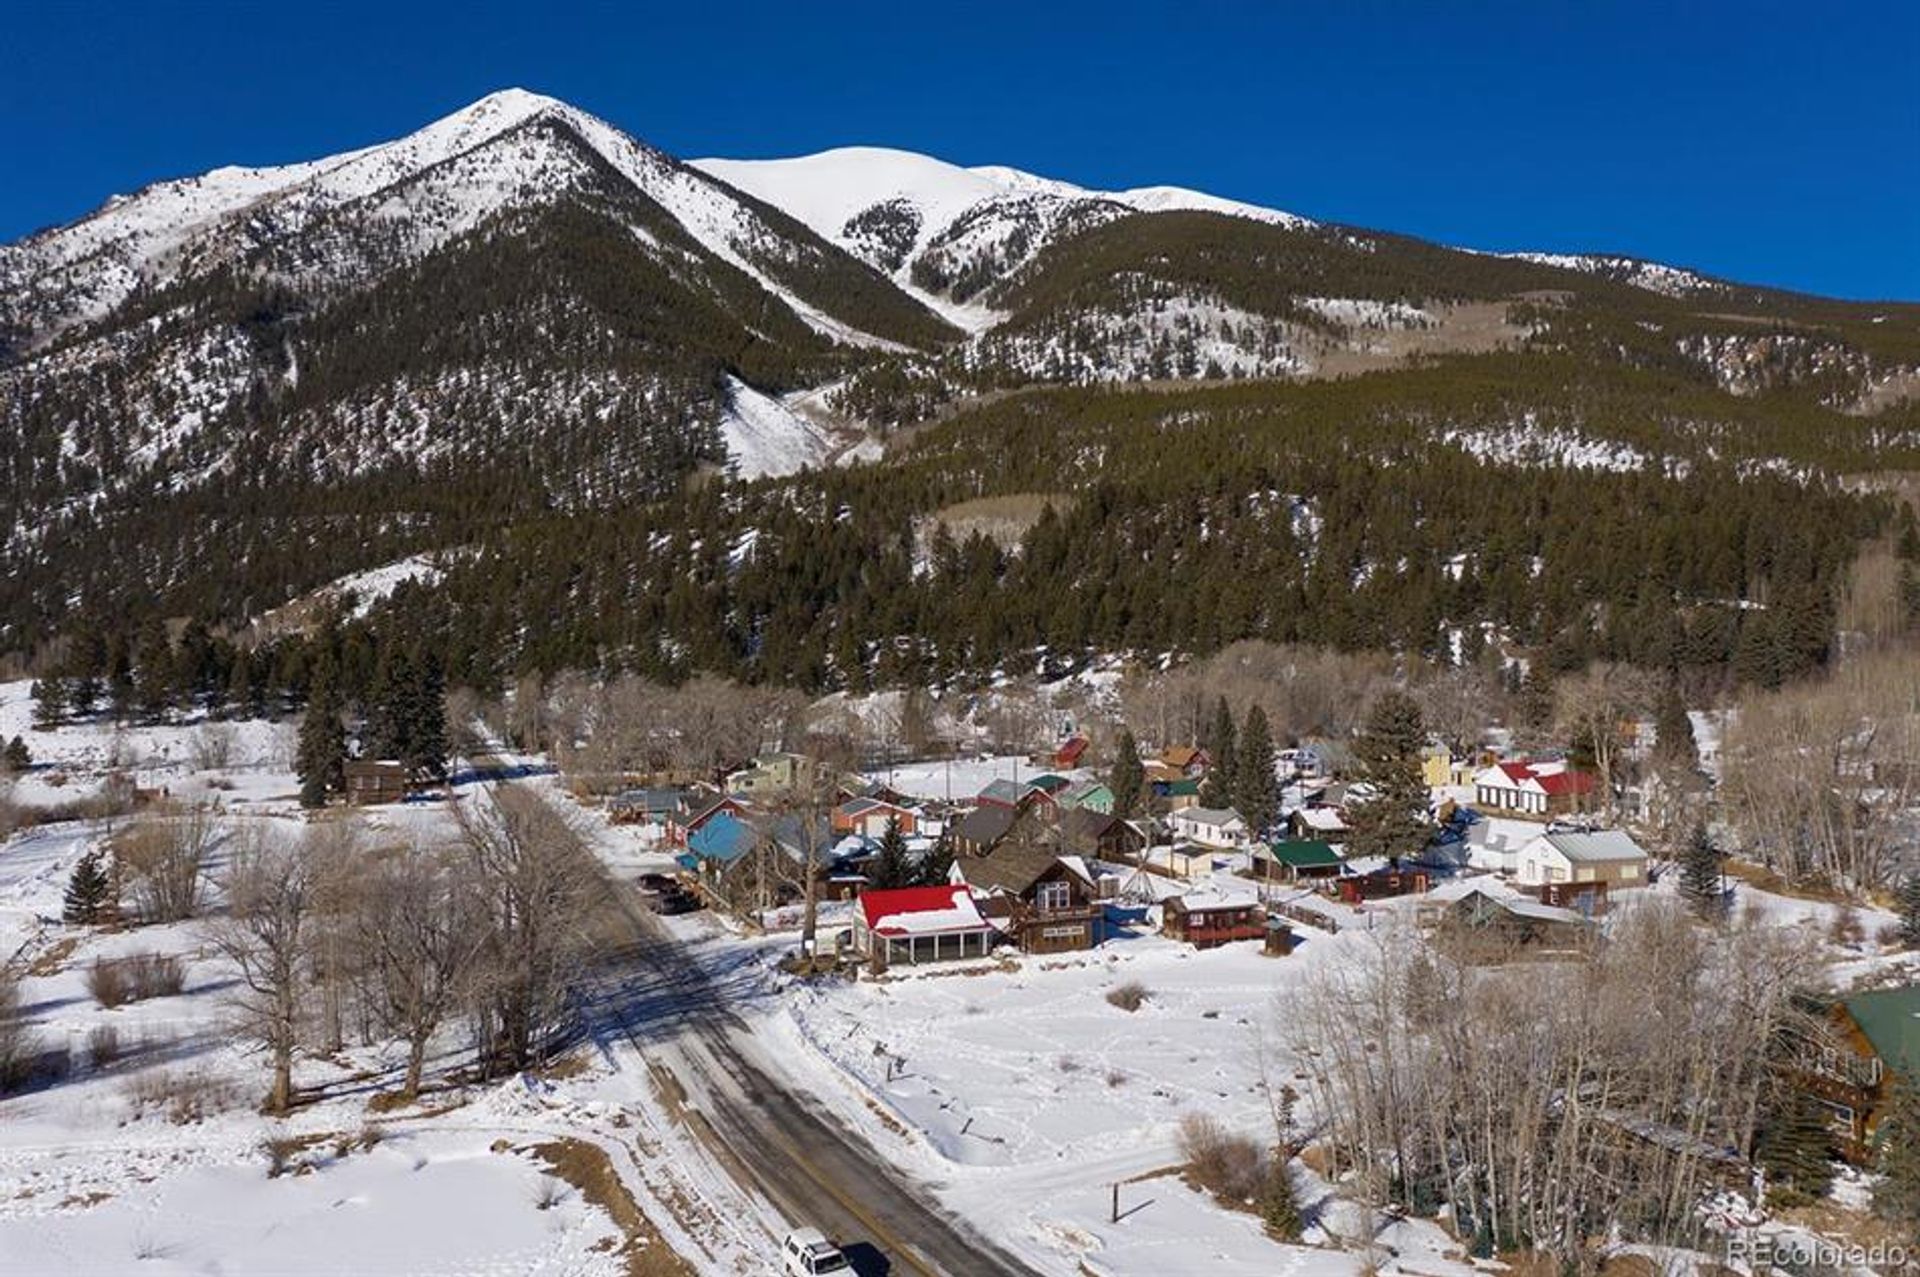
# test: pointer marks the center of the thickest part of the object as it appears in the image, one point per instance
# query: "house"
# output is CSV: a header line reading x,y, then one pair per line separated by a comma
x,y
1091,794
371,780
1317,824
1293,860
1046,903
1436,767
981,830
1576,869
646,806
683,825
1049,783
921,924
1872,1041
718,844
1184,759
1213,916
1087,832
1216,827
1383,883
1537,790
870,816
1014,793
772,774
1495,845
1070,752
800,838
1323,757
1178,794
1491,925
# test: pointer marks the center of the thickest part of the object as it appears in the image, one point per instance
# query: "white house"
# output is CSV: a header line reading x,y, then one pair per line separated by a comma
x,y
1495,845
1218,827
1609,859
1542,789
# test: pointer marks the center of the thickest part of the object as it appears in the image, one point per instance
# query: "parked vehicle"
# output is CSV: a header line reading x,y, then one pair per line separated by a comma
x,y
808,1253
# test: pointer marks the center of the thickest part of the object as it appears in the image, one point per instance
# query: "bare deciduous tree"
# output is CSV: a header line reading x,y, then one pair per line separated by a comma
x,y
1819,778
536,885
265,932
1546,1104
161,861
423,930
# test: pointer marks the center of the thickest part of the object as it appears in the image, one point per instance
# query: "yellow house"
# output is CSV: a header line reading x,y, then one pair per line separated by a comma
x,y
1436,767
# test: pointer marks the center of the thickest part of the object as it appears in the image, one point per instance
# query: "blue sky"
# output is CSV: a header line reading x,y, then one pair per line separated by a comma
x,y
1763,141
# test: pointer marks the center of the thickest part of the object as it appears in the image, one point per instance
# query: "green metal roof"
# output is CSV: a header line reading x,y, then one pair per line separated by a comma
x,y
1186,788
1890,1018
1305,854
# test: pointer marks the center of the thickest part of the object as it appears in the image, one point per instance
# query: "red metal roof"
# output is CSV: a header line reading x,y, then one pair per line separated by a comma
x,y
887,905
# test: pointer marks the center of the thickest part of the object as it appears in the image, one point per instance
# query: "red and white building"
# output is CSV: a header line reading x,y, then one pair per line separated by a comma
x,y
922,924
1541,790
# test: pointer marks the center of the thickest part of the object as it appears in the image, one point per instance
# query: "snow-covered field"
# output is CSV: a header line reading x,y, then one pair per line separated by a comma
x,y
157,1159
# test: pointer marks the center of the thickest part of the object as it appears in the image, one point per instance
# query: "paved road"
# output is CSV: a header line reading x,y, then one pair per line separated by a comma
x,y
686,1023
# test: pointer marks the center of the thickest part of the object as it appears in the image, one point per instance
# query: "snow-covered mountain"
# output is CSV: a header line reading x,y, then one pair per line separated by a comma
x,y
946,233
387,204
232,388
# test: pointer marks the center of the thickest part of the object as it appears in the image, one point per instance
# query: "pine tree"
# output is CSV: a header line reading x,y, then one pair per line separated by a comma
x,y
1393,822
1536,708
1256,791
1673,730
1908,902
17,757
1128,777
1897,1197
425,752
1216,787
1700,882
890,865
49,703
935,866
1795,1148
89,891
322,754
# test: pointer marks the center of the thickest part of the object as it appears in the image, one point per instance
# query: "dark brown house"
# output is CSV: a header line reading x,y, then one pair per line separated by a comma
x,y
375,781
1870,1041
1206,919
1086,832
1045,902
984,828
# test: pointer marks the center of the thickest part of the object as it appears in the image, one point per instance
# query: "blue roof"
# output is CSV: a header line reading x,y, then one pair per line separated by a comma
x,y
725,838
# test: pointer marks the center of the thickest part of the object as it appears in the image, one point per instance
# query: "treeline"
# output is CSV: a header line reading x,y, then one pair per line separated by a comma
x,y
388,694
1317,514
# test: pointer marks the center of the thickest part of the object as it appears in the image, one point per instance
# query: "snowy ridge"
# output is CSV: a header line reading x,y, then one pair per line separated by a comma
x,y
420,190
899,210
1668,281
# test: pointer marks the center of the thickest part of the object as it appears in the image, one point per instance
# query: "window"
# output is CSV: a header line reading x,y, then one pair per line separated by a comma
x,y
1053,896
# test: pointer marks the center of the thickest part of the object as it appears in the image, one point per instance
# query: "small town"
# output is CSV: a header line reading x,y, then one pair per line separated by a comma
x,y
1248,640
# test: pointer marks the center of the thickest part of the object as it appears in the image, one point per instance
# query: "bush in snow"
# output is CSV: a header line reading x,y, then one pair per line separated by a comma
x,y
1130,996
117,981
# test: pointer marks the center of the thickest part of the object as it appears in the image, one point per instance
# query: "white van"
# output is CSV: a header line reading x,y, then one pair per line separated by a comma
x,y
808,1253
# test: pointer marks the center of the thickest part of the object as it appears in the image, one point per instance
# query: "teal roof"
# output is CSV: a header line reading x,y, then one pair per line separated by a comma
x,y
1890,1019
1306,854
